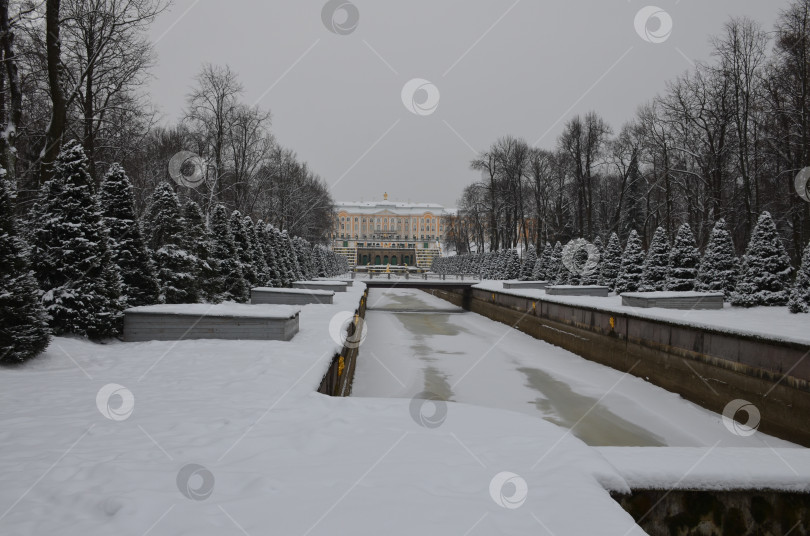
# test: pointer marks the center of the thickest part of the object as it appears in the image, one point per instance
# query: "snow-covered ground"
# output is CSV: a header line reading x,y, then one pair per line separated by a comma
x,y
430,345
768,322
273,455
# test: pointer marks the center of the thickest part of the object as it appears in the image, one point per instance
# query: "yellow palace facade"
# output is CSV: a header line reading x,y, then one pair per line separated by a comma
x,y
388,232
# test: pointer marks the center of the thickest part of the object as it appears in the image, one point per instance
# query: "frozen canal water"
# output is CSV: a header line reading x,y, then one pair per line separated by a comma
x,y
417,342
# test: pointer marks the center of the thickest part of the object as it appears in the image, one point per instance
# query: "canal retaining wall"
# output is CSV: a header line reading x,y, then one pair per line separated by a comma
x,y
708,367
338,378
737,513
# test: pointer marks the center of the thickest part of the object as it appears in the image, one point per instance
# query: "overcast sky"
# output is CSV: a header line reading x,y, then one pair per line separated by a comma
x,y
497,67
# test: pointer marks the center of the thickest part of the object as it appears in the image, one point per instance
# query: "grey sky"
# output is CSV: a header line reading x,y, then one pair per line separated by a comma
x,y
333,97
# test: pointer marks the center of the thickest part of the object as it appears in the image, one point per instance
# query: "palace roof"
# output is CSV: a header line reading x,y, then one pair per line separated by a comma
x,y
391,207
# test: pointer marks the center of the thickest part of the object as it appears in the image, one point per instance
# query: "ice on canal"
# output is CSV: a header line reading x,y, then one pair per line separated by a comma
x,y
417,342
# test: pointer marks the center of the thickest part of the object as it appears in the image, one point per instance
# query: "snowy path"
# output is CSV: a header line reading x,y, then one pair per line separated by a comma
x,y
417,342
282,458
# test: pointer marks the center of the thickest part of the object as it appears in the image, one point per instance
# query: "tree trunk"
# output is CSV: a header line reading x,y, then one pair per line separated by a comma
x,y
13,108
89,111
56,127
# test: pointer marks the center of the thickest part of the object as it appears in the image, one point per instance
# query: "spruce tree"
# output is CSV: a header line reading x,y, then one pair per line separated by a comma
x,y
282,261
611,262
24,332
527,268
800,295
165,233
304,256
503,264
244,248
198,239
320,261
541,266
486,265
683,260
629,278
264,234
512,265
719,267
139,284
656,265
292,258
71,254
230,281
765,271
257,252
555,270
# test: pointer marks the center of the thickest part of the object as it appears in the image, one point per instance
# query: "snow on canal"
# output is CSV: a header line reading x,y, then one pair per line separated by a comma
x,y
417,342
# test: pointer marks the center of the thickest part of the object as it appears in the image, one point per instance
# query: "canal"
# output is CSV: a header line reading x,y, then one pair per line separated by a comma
x,y
417,342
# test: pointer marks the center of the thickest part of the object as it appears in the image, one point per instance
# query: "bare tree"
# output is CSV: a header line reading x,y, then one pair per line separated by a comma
x,y
211,108
741,51
108,56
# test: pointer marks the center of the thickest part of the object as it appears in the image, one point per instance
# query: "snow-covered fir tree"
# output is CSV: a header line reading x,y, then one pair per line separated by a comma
x,y
512,265
765,269
800,294
304,253
264,233
139,284
499,261
555,267
529,260
629,278
244,249
684,259
495,265
320,261
177,267
541,266
71,254
487,265
282,263
257,252
24,332
230,281
719,266
611,262
198,240
655,270
291,257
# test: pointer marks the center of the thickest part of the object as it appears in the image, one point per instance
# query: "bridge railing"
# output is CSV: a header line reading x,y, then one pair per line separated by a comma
x,y
425,276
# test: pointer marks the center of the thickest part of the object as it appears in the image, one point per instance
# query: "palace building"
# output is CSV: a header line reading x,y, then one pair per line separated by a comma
x,y
387,232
